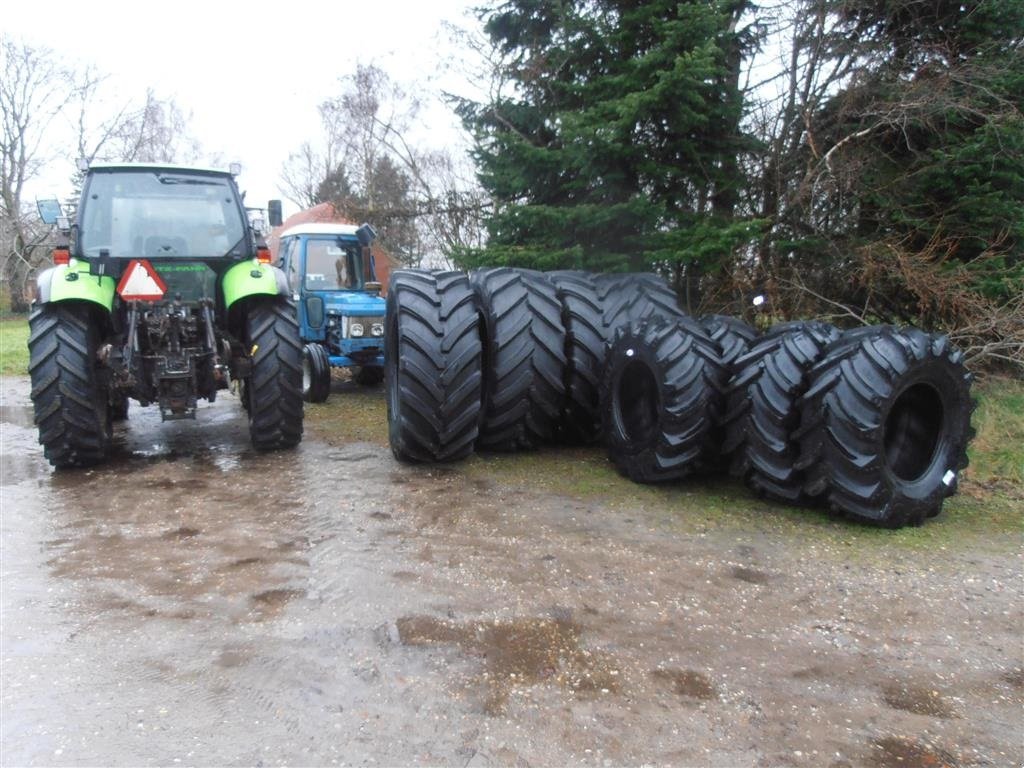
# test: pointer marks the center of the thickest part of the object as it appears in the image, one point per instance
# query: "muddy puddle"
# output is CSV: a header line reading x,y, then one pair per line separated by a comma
x,y
195,602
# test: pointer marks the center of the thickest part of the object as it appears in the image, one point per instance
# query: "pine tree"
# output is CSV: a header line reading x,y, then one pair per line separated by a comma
x,y
614,143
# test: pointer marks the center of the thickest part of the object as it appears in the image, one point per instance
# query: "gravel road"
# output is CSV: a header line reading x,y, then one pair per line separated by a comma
x,y
193,602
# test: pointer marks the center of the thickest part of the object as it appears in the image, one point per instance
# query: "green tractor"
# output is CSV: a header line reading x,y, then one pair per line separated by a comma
x,y
162,291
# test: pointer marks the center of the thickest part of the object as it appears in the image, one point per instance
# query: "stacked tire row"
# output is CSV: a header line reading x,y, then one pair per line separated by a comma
x,y
873,423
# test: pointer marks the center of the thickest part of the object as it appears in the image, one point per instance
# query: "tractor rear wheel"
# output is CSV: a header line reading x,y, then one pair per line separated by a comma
x,y
316,374
70,400
274,388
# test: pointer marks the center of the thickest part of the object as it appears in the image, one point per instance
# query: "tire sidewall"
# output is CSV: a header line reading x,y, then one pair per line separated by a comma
x,y
928,489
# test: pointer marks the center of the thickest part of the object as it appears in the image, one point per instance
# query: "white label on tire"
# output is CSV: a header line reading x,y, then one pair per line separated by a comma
x,y
949,477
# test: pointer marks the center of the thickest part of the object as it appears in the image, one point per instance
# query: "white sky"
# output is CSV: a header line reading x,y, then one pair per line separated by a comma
x,y
251,74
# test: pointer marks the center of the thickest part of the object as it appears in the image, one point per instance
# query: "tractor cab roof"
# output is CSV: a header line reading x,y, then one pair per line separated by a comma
x,y
321,229
158,167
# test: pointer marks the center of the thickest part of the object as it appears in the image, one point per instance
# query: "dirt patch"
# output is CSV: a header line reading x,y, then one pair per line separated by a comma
x,y
523,652
184,532
917,699
687,682
891,752
750,575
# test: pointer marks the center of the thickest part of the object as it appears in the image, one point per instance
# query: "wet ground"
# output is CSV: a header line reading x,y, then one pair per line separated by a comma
x,y
193,602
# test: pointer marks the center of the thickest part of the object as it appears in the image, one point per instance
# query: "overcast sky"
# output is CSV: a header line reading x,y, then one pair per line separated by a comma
x,y
252,74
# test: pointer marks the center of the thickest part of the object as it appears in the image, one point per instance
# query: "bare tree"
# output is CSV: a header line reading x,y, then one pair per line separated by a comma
x,y
34,88
425,203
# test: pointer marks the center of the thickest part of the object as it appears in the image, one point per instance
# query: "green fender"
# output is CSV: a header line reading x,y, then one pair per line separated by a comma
x,y
73,281
250,278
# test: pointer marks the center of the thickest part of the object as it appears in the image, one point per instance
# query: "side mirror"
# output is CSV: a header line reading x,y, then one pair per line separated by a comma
x,y
366,235
274,213
49,210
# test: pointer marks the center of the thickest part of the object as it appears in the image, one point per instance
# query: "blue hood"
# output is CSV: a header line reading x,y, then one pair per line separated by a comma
x,y
354,303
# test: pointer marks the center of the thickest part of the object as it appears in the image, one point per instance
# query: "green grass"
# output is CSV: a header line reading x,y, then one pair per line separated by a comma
x,y
14,345
989,510
997,452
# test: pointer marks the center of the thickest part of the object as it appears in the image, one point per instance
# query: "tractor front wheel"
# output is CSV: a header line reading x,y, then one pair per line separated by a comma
x,y
273,390
70,400
316,374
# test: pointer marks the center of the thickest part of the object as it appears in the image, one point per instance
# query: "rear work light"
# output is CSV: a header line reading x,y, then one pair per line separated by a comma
x,y
61,256
263,255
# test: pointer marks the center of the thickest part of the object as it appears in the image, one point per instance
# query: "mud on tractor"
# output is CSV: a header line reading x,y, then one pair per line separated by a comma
x,y
341,313
162,291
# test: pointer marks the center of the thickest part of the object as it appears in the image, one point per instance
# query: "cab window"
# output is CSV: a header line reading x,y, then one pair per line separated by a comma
x,y
332,264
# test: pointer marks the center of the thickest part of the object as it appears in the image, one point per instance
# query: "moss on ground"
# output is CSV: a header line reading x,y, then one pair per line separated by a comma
x,y
990,507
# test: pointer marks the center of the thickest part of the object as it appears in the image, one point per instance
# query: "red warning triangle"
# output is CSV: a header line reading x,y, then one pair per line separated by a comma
x,y
140,282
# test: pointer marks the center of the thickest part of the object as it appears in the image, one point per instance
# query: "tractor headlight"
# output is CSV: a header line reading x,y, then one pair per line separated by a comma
x,y
377,329
355,330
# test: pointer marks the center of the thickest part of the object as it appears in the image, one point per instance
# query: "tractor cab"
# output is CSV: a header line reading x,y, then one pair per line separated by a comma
x,y
330,269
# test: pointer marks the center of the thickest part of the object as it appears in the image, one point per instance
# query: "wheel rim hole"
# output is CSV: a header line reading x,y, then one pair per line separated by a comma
x,y
912,432
638,403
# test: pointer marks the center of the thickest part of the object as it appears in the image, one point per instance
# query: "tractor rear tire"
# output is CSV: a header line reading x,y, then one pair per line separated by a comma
x,y
369,375
586,348
432,366
524,358
661,400
886,423
274,388
316,374
763,408
70,400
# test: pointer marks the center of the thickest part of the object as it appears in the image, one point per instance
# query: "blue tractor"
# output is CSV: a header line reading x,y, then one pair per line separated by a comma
x,y
341,313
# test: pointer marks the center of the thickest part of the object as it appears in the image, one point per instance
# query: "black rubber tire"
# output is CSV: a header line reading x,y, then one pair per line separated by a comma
x,y
661,401
524,358
369,375
763,408
316,374
68,395
432,369
632,297
585,351
118,406
274,387
733,336
886,423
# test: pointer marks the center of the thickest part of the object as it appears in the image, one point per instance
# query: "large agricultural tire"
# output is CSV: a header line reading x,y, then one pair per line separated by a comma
x,y
585,350
886,423
632,297
369,375
523,358
733,336
661,400
763,408
68,395
316,374
432,366
274,387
